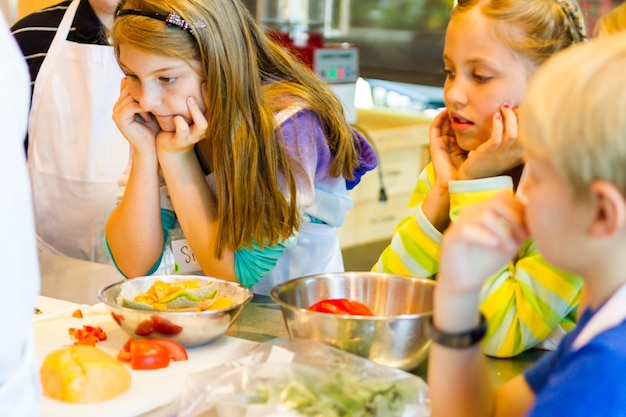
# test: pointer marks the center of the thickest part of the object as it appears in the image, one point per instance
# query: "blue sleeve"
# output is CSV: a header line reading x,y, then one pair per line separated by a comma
x,y
168,221
252,264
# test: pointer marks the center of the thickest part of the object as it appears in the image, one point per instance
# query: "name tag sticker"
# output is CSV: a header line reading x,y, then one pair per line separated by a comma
x,y
185,260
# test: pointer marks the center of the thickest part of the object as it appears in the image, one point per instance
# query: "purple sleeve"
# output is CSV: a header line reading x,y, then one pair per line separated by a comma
x,y
305,141
304,135
367,160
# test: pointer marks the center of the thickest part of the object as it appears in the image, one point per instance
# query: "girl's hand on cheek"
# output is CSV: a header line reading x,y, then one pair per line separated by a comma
x,y
185,135
500,153
445,153
137,126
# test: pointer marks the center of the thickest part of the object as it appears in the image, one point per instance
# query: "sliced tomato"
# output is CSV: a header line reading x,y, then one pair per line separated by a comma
x,y
124,353
145,354
341,306
176,350
149,354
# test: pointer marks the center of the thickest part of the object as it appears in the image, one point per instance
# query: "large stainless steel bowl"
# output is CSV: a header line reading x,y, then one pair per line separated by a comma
x,y
190,328
396,336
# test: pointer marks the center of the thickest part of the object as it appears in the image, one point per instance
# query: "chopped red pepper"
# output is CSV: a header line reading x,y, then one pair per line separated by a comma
x,y
341,306
88,335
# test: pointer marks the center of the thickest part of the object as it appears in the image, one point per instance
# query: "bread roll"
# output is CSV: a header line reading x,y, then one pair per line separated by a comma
x,y
83,374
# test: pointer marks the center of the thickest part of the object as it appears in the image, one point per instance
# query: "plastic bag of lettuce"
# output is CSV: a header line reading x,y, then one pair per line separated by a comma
x,y
301,378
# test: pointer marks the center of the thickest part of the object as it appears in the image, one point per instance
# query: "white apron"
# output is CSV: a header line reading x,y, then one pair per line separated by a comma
x,y
75,153
317,252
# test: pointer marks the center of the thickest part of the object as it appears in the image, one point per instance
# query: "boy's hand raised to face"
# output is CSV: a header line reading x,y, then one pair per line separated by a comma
x,y
484,237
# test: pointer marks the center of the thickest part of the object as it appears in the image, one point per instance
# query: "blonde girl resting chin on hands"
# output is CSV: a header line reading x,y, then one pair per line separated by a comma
x,y
491,50
235,142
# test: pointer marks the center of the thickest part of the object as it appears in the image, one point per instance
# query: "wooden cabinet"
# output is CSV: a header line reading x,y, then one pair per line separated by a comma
x,y
401,143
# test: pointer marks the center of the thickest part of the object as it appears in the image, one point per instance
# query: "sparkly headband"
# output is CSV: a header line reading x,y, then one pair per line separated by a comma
x,y
576,19
171,18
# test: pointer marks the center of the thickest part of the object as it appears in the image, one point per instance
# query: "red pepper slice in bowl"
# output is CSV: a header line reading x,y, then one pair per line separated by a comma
x,y
341,306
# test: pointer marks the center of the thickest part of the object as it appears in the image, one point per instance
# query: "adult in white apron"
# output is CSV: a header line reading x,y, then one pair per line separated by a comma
x,y
75,153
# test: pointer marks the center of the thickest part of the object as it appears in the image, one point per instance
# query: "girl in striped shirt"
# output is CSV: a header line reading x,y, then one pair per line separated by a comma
x,y
491,50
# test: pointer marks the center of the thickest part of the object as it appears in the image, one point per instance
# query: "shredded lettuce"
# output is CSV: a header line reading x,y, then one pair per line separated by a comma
x,y
340,394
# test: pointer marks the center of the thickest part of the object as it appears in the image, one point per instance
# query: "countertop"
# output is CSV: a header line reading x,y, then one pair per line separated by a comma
x,y
78,281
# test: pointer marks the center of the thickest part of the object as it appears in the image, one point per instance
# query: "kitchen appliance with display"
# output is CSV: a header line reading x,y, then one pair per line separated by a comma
x,y
301,25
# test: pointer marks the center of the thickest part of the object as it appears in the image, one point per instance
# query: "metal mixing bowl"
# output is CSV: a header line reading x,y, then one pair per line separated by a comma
x,y
190,328
396,336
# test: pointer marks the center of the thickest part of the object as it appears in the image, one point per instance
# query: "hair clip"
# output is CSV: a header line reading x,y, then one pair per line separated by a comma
x,y
174,19
575,19
171,19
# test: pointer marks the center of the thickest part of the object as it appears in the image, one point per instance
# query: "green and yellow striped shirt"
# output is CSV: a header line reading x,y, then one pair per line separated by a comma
x,y
523,302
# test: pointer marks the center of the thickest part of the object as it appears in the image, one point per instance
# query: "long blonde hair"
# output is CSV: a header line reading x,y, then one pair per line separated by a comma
x,y
248,79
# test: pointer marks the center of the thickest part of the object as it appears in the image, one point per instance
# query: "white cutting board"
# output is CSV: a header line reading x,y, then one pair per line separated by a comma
x,y
151,392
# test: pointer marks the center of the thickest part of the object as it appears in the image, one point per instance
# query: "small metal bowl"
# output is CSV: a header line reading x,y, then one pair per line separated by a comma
x,y
189,328
396,336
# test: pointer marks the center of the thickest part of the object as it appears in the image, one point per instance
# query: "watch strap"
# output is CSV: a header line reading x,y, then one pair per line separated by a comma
x,y
459,340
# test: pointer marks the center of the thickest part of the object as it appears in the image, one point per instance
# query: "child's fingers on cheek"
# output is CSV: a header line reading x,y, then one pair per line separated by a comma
x,y
446,127
497,127
440,121
510,124
200,123
181,126
194,109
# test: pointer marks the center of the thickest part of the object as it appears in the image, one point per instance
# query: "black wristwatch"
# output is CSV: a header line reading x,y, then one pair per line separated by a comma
x,y
458,340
